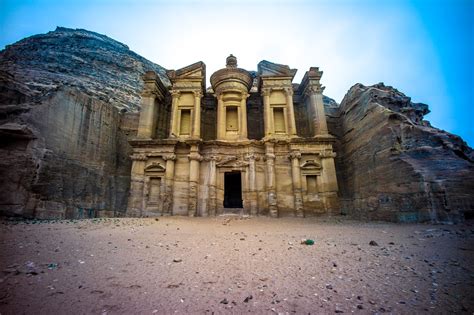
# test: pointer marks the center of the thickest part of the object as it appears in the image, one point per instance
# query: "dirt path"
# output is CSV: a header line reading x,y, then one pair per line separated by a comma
x,y
231,265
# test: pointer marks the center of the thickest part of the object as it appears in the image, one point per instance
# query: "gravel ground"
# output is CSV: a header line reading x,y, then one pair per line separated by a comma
x,y
179,265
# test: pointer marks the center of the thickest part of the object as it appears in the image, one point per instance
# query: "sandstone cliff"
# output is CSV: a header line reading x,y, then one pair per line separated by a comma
x,y
61,97
392,165
64,130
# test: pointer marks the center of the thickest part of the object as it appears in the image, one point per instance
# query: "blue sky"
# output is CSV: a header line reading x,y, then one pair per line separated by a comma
x,y
423,48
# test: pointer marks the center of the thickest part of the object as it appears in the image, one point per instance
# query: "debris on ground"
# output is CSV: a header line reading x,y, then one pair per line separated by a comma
x,y
307,241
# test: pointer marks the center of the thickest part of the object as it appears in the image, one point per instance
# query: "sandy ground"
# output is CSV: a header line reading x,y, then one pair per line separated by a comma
x,y
234,265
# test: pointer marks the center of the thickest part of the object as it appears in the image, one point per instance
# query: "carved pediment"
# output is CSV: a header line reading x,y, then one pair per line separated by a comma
x,y
196,70
192,73
155,167
311,165
267,68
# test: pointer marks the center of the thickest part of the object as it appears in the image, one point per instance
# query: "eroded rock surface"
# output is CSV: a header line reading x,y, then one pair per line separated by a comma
x,y
392,165
64,150
63,130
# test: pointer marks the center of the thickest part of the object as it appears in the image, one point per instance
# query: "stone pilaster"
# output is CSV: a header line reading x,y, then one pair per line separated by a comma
x,y
194,161
315,94
136,198
270,179
212,186
169,182
243,116
174,113
220,117
267,114
197,115
152,94
295,157
291,112
147,121
251,158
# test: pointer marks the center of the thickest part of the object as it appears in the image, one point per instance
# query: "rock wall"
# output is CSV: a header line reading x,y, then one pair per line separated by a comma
x,y
64,124
69,101
394,166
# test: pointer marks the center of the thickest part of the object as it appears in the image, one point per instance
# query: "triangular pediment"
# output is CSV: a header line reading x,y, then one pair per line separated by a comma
x,y
267,68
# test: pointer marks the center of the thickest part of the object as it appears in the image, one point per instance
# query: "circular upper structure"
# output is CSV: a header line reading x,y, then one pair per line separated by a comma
x,y
231,78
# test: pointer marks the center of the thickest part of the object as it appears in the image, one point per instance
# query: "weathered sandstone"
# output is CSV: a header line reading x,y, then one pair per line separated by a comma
x,y
70,102
392,165
62,100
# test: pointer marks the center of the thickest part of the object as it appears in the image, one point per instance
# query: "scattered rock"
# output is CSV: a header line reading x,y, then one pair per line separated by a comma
x,y
338,310
177,260
373,243
224,301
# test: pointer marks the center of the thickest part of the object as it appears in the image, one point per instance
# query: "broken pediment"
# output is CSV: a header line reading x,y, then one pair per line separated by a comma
x,y
194,73
196,70
155,167
267,68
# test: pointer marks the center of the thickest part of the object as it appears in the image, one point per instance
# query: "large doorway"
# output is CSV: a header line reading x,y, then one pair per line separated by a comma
x,y
232,190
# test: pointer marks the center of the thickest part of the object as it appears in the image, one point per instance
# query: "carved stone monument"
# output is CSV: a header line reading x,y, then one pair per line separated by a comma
x,y
254,143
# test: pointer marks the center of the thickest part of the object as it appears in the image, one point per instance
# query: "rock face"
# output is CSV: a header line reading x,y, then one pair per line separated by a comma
x,y
63,130
392,165
69,101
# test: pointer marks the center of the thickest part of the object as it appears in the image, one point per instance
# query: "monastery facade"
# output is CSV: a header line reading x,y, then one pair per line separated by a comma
x,y
253,144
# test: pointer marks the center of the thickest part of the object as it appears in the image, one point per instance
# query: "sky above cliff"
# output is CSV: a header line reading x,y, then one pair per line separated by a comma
x,y
423,48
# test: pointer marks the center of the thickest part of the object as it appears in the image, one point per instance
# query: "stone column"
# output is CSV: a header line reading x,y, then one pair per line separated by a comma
x,y
220,117
212,187
194,161
316,99
243,118
197,114
267,112
137,196
251,158
291,112
147,121
329,182
168,199
295,157
270,179
174,113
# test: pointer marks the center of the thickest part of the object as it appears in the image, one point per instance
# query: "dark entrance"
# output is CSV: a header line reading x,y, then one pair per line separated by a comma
x,y
232,190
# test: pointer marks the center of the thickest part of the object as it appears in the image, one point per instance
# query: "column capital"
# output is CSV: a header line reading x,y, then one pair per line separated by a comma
x,y
266,91
251,157
138,157
198,93
269,157
215,158
327,154
294,155
169,157
195,157
175,93
289,91
314,89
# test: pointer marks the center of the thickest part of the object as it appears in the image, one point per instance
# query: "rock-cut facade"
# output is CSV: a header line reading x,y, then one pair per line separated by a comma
x,y
254,143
